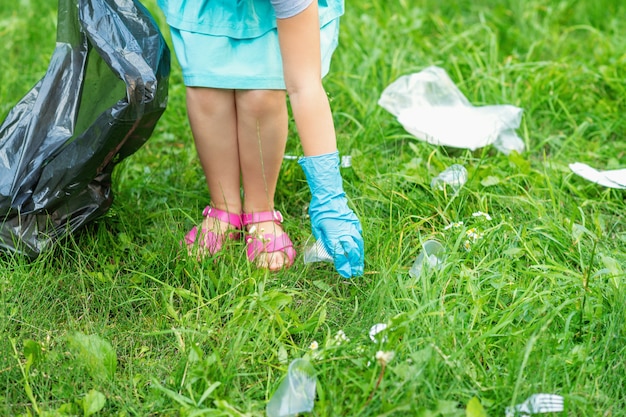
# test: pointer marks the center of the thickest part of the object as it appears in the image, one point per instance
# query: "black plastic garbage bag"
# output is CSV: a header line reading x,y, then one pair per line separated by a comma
x,y
99,101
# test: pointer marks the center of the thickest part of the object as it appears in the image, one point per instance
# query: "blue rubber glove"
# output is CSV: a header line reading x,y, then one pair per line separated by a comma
x,y
332,221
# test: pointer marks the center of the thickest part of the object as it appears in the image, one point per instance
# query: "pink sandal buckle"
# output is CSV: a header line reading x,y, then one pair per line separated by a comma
x,y
263,216
268,243
209,240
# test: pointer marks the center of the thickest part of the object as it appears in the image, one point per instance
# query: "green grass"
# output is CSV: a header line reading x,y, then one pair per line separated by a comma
x,y
535,305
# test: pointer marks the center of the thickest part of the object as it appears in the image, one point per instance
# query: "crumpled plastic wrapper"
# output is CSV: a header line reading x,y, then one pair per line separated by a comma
x,y
104,91
430,107
615,178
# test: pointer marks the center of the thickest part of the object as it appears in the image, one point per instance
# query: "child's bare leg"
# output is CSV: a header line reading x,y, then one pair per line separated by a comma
x,y
213,120
262,132
299,38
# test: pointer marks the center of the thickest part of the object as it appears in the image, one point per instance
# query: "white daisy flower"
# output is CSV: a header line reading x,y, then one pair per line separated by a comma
x,y
377,328
481,214
455,225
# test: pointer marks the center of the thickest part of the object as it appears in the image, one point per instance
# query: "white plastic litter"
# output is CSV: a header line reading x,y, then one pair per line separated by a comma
x,y
315,251
612,179
537,404
377,328
296,394
454,176
433,109
431,256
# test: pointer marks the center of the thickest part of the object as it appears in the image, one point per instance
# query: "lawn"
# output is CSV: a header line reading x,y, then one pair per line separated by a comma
x,y
529,297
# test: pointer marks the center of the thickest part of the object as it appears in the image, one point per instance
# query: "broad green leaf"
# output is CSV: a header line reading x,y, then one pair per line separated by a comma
x,y
448,408
475,408
490,181
95,354
322,285
69,409
93,402
276,299
33,353
208,392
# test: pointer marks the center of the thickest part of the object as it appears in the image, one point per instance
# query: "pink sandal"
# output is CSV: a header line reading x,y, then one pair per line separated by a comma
x,y
258,243
211,241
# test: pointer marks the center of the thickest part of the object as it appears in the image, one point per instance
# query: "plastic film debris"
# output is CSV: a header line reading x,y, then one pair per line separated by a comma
x,y
612,179
455,176
430,107
296,394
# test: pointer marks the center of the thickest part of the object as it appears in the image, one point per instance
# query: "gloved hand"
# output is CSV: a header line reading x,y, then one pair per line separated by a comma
x,y
332,221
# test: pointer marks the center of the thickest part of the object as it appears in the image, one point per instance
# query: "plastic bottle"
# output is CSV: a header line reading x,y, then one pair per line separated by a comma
x,y
431,256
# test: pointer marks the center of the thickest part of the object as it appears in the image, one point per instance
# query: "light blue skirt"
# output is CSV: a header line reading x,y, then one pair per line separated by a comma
x,y
253,63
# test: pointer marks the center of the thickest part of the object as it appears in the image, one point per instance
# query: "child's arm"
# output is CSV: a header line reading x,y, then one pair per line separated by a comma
x,y
300,47
332,220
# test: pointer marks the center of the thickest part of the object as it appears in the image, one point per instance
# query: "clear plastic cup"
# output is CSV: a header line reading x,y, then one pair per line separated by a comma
x,y
296,394
431,256
315,251
455,176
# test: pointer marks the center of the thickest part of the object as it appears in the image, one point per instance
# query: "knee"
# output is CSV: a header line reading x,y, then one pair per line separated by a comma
x,y
261,103
209,101
201,95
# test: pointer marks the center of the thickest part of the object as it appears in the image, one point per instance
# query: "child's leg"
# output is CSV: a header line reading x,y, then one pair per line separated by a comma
x,y
299,38
213,120
262,133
